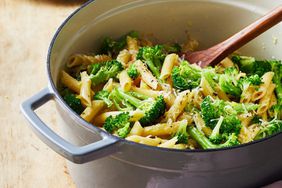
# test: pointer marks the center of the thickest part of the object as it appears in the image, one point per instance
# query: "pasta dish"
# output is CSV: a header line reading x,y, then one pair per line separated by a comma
x,y
147,93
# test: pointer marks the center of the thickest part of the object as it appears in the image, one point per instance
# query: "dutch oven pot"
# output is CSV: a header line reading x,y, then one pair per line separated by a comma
x,y
113,162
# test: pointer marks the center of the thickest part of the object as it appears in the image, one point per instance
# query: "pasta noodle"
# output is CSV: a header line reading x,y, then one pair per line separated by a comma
x,y
91,111
80,59
266,79
169,62
125,81
146,75
163,129
70,82
124,57
179,104
85,89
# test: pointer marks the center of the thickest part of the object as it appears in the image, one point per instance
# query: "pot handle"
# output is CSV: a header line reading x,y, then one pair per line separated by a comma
x,y
76,154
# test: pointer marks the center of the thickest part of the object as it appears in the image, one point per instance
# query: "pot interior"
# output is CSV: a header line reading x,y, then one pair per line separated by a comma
x,y
209,22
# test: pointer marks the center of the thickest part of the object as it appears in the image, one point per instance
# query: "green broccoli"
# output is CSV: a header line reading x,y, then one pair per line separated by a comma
x,y
185,76
119,103
138,95
205,143
152,108
276,67
250,65
273,127
181,134
240,108
132,71
93,68
123,132
103,95
112,47
153,57
215,136
119,123
245,82
228,82
211,76
231,124
211,110
172,48
107,70
73,102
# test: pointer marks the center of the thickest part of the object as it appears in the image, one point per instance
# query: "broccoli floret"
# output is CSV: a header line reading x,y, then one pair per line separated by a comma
x,y
245,82
181,134
172,48
104,95
215,136
108,70
185,76
93,68
275,126
205,143
211,110
123,132
153,57
228,82
211,76
251,66
119,102
132,71
276,67
231,124
152,108
239,108
119,123
112,47
73,102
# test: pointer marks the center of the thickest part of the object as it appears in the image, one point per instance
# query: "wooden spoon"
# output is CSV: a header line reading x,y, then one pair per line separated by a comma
x,y
215,54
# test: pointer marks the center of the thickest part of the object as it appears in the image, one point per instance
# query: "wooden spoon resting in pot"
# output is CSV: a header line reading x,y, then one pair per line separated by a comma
x,y
215,54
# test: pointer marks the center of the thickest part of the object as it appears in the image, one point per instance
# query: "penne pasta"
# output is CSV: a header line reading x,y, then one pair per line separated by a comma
x,y
135,116
137,129
169,62
266,79
70,82
80,59
144,140
178,106
91,111
146,75
264,102
125,81
124,57
85,89
163,129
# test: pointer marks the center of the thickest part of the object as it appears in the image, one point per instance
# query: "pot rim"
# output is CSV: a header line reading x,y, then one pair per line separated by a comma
x,y
93,128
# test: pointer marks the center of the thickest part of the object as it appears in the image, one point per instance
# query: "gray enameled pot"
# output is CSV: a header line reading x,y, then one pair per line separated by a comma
x,y
113,162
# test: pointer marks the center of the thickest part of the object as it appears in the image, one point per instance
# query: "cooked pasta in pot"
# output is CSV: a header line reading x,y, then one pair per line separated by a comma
x,y
148,94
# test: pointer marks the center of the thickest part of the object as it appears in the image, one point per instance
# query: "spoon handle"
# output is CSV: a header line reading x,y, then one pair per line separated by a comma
x,y
247,34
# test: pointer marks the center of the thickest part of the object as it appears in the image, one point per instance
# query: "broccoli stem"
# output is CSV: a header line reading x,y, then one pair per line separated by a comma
x,y
138,95
153,68
132,100
204,142
215,131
